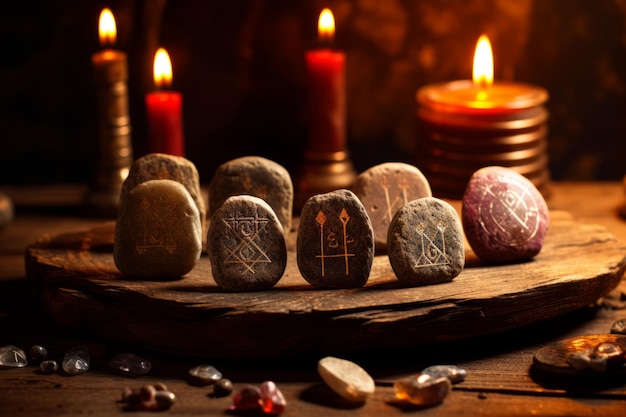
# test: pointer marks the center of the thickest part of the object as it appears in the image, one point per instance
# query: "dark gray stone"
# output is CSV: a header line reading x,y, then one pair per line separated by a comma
x,y
256,176
246,245
160,166
335,241
505,217
158,231
384,189
425,242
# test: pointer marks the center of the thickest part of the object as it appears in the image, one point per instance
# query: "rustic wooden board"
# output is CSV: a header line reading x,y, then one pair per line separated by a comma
x,y
82,289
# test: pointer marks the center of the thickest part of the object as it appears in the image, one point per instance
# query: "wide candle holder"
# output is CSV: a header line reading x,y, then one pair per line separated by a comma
x,y
469,124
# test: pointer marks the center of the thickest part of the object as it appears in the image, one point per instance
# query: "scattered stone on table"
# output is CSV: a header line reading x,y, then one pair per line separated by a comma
x,y
129,364
256,176
606,355
346,378
76,361
7,210
272,399
619,327
579,360
204,375
247,398
222,387
423,389
335,241
504,216
160,166
246,245
425,242
12,357
454,373
154,397
48,366
158,231
37,353
384,189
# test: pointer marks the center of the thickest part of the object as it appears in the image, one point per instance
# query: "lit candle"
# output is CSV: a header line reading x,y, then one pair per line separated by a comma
x,y
164,110
469,124
326,91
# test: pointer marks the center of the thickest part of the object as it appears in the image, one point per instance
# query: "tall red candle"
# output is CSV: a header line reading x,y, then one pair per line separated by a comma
x,y
164,110
326,91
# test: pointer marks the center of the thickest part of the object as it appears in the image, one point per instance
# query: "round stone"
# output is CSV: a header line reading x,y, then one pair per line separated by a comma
x,y
158,233
223,388
48,366
423,389
204,375
425,242
504,216
454,373
346,378
37,353
384,189
246,245
335,241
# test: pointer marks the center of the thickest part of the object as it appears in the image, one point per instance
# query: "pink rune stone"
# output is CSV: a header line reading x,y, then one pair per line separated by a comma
x,y
505,218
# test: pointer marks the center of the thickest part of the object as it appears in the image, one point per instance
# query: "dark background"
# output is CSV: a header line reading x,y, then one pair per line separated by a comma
x,y
239,65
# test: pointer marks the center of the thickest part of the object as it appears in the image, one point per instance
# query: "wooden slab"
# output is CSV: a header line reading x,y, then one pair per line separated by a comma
x,y
81,288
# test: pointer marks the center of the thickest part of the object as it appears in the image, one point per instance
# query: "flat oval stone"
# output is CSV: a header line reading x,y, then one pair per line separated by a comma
x,y
246,245
384,189
346,378
256,176
335,241
158,231
423,389
160,166
425,242
504,216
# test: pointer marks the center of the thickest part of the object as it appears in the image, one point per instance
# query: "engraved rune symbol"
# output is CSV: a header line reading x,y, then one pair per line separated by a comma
x,y
431,254
399,200
158,236
333,241
247,253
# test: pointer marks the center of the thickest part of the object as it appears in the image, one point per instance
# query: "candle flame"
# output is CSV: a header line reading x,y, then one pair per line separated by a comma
x,y
107,30
483,64
326,26
162,69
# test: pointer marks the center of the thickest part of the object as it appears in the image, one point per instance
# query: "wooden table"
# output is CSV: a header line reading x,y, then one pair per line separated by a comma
x,y
499,381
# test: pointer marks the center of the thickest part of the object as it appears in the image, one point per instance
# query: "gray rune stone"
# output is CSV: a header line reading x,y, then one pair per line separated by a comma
x,y
246,245
384,189
158,231
160,166
256,176
505,217
335,241
425,242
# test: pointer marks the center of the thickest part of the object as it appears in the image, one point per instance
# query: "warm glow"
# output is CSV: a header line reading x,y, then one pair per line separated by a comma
x,y
483,64
106,28
162,69
326,26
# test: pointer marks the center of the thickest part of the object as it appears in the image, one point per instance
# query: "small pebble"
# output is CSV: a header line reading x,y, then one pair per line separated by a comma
x,y
37,353
129,364
223,388
335,241
13,357
204,375
423,389
504,216
425,242
579,360
454,373
158,233
76,361
619,327
346,378
384,189
272,399
153,397
246,245
256,176
247,398
48,367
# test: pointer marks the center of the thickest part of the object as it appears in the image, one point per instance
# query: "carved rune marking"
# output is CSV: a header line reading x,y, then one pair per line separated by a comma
x,y
247,253
333,242
431,254
399,200
154,235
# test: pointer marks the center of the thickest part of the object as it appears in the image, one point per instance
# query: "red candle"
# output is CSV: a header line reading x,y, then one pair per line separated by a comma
x,y
164,110
326,91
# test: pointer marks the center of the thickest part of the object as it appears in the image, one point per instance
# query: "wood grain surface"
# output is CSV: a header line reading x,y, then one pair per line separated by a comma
x,y
81,288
